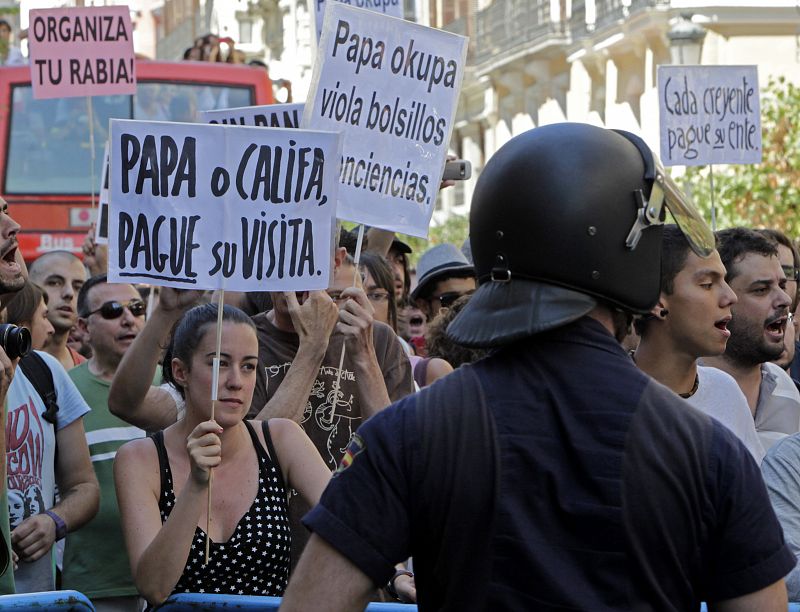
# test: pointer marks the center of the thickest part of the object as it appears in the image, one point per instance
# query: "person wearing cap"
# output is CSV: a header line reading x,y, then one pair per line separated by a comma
x,y
553,474
443,275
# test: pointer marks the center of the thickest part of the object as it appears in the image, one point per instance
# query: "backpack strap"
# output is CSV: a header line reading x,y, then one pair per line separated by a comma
x,y
421,372
41,377
461,458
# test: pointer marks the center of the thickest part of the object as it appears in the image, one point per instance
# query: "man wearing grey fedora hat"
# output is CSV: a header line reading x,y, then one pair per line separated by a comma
x,y
553,474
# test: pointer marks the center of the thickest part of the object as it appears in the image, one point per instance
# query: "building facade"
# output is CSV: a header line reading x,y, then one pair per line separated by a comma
x,y
535,62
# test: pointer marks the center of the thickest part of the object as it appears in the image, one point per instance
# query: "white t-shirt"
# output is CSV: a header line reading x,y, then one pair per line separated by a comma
x,y
30,458
718,395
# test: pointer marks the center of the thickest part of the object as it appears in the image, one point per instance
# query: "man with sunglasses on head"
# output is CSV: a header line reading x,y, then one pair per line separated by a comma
x,y
95,562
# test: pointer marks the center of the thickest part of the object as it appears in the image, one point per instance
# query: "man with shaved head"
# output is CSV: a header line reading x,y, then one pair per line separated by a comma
x,y
61,274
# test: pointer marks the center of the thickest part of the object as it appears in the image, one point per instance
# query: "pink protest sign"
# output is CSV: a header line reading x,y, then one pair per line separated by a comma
x,y
81,52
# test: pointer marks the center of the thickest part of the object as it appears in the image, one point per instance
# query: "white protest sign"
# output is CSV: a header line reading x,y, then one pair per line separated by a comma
x,y
85,51
392,8
709,115
101,227
221,207
392,88
271,115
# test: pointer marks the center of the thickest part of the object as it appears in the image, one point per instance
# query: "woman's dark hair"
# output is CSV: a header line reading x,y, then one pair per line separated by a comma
x,y
381,272
188,332
22,307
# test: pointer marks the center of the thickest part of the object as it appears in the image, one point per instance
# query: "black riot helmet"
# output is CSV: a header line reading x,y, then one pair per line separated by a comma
x,y
564,215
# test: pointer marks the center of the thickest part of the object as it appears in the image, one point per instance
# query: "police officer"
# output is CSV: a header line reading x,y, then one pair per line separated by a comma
x,y
553,474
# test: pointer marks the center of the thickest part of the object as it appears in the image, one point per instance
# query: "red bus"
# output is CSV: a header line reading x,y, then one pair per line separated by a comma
x,y
45,153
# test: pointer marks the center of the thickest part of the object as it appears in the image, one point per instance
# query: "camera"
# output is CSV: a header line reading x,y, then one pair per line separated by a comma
x,y
16,341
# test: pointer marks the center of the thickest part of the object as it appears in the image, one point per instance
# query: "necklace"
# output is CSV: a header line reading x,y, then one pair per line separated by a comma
x,y
683,395
694,388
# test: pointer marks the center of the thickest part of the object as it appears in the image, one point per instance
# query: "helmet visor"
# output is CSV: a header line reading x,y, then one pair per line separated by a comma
x,y
686,215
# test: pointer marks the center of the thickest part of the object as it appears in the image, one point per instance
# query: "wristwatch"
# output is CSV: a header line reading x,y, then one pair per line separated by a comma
x,y
390,585
61,526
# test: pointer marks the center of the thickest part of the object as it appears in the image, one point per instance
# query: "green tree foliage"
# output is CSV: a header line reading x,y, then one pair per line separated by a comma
x,y
454,230
765,194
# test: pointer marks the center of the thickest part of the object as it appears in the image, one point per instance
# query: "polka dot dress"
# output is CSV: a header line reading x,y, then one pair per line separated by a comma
x,y
256,558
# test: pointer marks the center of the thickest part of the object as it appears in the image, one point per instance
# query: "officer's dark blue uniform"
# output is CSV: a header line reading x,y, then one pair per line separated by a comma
x,y
554,474
596,510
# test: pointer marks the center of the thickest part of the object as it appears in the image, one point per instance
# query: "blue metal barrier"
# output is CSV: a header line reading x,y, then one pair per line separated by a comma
x,y
55,601
191,602
793,607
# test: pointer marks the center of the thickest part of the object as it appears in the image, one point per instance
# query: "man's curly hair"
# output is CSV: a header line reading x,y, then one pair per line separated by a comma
x,y
439,345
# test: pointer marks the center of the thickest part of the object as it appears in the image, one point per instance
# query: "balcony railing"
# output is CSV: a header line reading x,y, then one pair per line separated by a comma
x,y
506,24
606,12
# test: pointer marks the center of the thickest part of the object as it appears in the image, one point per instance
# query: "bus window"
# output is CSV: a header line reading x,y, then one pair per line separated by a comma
x,y
49,149
174,101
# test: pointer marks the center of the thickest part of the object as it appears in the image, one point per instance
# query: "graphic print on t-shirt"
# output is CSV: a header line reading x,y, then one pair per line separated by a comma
x,y
325,418
25,447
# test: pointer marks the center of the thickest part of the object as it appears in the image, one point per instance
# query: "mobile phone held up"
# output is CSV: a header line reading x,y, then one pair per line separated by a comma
x,y
457,170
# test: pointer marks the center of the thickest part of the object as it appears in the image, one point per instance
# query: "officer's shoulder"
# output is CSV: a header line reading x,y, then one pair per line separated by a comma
x,y
444,395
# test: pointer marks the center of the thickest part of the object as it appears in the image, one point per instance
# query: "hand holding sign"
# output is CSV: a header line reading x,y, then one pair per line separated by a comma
x,y
314,319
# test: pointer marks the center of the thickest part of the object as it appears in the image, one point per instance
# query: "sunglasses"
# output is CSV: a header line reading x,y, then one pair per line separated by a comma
x,y
447,299
114,309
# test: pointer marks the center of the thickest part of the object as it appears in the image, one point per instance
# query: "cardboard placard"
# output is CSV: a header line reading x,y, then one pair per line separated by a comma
x,y
392,8
101,226
221,207
709,115
392,88
81,52
270,115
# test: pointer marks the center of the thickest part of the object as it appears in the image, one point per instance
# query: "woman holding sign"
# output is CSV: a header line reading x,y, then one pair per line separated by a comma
x,y
163,481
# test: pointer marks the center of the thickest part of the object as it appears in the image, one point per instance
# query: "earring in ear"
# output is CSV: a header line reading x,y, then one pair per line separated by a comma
x,y
664,312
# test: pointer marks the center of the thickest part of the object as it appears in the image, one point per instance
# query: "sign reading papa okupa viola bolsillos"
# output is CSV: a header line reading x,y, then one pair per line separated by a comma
x,y
221,207
709,115
81,52
270,115
392,88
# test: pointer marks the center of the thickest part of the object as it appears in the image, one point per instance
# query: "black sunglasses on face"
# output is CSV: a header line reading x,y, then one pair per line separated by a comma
x,y
447,299
114,309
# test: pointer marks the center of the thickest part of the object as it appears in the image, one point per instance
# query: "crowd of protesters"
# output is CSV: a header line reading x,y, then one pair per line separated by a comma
x,y
120,444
